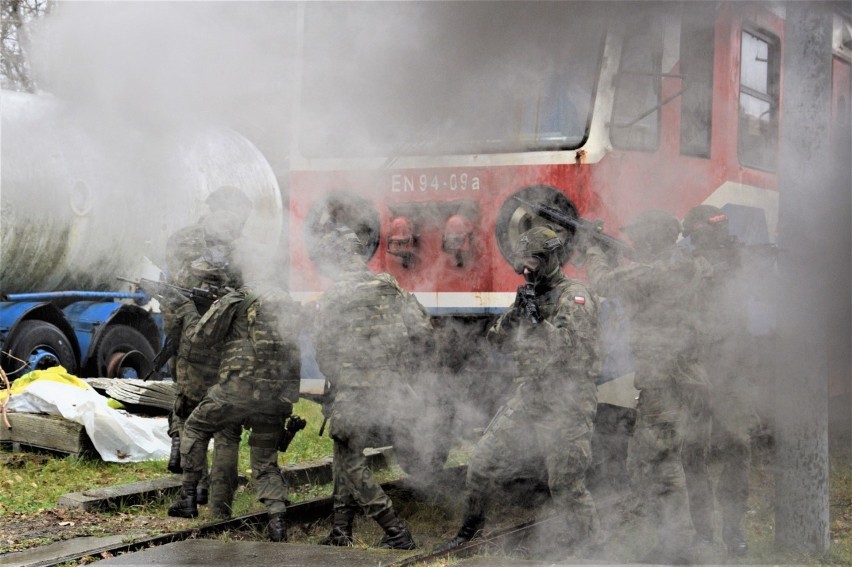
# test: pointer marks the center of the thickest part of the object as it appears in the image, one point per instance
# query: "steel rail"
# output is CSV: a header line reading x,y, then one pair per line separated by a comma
x,y
307,511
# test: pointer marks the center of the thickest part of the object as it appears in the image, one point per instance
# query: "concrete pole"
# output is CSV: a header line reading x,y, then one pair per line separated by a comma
x,y
805,187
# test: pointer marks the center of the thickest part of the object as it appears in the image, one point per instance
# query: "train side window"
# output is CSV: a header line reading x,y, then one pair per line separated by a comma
x,y
696,66
636,112
758,103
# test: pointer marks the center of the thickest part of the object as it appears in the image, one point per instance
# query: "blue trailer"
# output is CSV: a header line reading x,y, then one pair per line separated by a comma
x,y
90,333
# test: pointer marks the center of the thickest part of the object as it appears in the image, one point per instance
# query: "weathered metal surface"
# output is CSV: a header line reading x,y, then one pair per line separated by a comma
x,y
84,201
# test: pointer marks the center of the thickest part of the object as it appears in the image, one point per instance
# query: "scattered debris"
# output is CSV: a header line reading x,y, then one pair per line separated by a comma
x,y
155,394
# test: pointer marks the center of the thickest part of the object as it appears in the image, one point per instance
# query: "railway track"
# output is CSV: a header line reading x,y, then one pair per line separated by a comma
x,y
499,541
299,513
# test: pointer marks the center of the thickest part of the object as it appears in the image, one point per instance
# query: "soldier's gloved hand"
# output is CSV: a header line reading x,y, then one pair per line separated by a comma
x,y
533,313
295,423
527,306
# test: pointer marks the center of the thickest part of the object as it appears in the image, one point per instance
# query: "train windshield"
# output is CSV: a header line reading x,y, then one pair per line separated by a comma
x,y
426,78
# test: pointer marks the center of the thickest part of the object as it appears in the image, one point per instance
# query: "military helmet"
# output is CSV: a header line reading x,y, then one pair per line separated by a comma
x,y
215,267
707,227
337,246
703,217
657,222
221,227
544,245
652,231
538,241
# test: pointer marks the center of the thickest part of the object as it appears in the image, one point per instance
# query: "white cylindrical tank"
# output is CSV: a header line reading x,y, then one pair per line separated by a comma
x,y
83,201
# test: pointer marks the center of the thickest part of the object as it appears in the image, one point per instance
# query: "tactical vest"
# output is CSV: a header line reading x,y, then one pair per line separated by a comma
x,y
367,334
257,358
206,360
265,322
667,326
534,357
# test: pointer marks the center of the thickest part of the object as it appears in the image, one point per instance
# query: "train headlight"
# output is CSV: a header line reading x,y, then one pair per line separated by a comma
x,y
458,238
402,240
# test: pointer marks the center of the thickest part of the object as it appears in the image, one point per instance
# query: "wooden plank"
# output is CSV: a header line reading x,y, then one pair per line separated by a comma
x,y
49,432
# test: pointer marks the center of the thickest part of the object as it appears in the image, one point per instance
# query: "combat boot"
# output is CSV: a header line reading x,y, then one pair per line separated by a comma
x,y
277,527
201,495
174,456
471,528
220,511
186,506
396,535
341,532
735,540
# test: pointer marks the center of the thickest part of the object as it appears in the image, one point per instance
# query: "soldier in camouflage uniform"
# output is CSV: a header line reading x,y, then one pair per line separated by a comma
x,y
192,241
368,332
255,327
660,292
228,208
196,370
726,357
547,424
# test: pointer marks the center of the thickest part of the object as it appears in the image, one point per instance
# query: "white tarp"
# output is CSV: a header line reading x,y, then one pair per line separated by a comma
x,y
117,436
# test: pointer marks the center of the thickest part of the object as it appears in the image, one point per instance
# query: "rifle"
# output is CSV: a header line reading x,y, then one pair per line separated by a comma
x,y
201,297
292,426
592,229
326,405
526,302
170,348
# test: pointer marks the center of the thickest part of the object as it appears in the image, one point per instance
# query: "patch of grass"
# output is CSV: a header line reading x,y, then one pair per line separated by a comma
x,y
760,521
308,445
34,482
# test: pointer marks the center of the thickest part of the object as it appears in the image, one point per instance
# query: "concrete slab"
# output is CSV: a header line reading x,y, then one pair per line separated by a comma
x,y
316,472
50,552
257,554
112,496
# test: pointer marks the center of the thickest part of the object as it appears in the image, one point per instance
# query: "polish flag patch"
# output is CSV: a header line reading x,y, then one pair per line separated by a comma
x,y
579,299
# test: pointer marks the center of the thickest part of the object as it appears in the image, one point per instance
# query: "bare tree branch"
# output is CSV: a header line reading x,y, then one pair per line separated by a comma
x,y
16,16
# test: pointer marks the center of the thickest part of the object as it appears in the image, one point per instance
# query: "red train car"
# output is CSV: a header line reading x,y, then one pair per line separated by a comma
x,y
420,121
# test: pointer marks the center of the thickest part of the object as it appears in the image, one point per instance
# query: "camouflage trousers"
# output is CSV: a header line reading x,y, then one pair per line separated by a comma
x,y
718,425
656,469
519,443
221,477
217,412
352,432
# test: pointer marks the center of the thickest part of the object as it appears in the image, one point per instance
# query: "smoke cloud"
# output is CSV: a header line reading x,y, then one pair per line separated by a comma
x,y
135,83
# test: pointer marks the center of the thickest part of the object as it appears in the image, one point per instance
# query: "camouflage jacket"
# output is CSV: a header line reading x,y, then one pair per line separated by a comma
x,y
557,360
726,345
369,331
256,330
663,301
196,368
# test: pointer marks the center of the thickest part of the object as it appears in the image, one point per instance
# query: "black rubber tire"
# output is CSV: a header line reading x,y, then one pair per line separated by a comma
x,y
31,335
124,339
